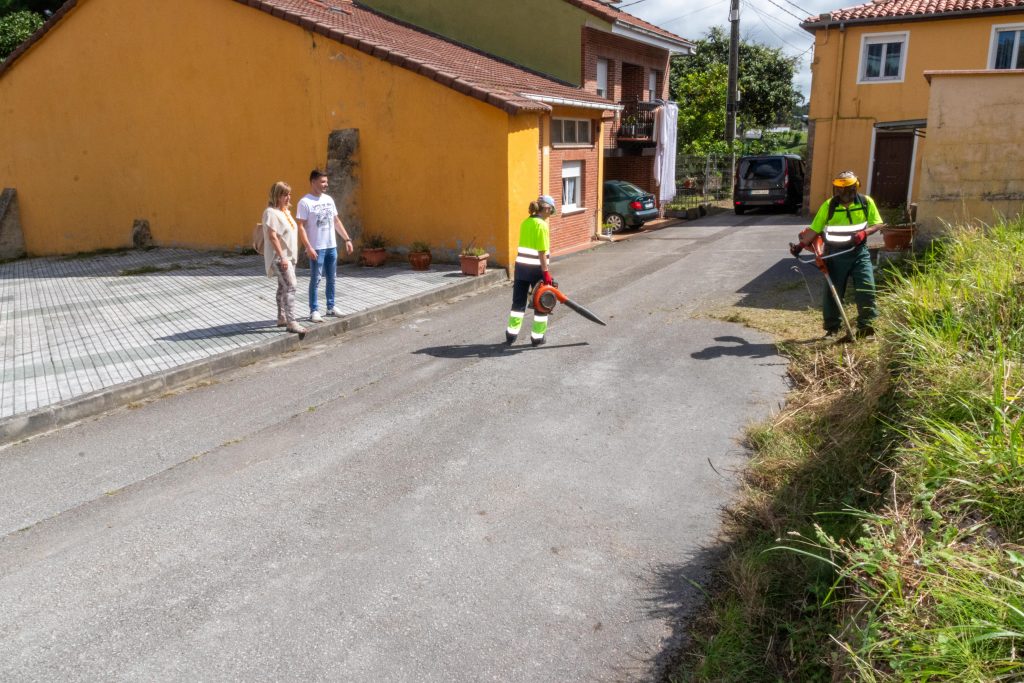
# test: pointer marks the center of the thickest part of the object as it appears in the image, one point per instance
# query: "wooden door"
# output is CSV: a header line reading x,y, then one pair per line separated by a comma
x,y
890,180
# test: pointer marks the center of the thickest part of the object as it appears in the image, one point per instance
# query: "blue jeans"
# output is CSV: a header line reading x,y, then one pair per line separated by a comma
x,y
326,265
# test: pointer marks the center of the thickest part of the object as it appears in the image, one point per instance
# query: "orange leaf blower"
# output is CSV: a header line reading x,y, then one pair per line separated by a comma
x,y
546,296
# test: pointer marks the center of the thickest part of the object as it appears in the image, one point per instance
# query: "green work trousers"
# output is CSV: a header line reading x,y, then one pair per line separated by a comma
x,y
857,265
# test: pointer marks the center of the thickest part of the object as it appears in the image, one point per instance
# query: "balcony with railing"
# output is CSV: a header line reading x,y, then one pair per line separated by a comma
x,y
636,122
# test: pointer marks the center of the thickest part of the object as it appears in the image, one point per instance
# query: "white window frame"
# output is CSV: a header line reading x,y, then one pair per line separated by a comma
x,y
652,85
560,126
572,169
996,30
883,38
602,78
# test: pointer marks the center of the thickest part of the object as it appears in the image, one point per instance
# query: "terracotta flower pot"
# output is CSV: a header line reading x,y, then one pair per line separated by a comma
x,y
373,257
419,260
898,237
473,265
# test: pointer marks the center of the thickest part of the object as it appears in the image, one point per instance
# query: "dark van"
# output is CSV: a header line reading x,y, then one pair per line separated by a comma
x,y
769,180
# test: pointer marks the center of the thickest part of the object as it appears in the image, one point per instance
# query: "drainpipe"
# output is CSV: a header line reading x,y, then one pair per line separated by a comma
x,y
838,80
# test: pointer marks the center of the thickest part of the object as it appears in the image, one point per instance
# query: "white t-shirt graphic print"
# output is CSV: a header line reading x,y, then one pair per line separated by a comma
x,y
319,213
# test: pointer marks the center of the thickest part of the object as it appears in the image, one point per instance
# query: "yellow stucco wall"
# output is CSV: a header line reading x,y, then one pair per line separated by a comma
x,y
183,112
961,43
975,166
524,134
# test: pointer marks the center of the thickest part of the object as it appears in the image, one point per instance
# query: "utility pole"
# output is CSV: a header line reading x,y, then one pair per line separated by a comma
x,y
734,67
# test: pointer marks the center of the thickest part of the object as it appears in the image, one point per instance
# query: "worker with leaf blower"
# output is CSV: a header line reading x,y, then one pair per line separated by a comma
x,y
843,224
531,267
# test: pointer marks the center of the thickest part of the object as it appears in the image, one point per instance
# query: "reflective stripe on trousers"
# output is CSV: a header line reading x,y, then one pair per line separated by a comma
x,y
540,327
515,322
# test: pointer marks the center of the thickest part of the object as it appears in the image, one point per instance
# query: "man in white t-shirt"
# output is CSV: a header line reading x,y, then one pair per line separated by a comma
x,y
318,218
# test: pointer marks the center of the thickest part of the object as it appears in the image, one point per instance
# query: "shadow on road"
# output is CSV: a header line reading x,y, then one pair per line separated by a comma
x,y
487,350
738,347
676,593
787,284
232,330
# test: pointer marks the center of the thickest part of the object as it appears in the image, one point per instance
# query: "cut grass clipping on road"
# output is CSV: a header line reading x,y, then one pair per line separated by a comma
x,y
878,536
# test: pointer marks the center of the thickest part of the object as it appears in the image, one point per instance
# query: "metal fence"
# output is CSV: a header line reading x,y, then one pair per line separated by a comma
x,y
702,180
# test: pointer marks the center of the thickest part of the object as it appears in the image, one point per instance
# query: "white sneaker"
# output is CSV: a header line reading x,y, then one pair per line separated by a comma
x,y
315,317
336,312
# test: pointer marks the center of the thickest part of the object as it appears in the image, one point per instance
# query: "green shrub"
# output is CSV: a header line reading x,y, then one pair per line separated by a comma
x,y
374,240
15,28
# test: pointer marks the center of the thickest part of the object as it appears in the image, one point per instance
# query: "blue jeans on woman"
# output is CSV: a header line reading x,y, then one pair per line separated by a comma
x,y
326,264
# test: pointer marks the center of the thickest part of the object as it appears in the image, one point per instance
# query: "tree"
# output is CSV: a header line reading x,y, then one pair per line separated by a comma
x,y
767,95
15,28
702,97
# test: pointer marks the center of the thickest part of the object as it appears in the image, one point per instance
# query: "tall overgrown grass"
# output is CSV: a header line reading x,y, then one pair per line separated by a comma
x,y
879,537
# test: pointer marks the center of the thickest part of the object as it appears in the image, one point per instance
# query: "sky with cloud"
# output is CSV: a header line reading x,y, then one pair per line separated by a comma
x,y
769,22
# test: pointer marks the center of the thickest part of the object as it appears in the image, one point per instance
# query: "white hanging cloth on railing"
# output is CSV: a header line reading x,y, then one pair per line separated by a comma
x,y
666,122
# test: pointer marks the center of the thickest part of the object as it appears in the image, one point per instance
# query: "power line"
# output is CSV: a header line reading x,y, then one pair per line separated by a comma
x,y
714,3
768,17
788,2
798,18
770,29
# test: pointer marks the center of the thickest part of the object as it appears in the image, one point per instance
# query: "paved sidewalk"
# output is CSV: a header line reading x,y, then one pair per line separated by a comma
x,y
74,329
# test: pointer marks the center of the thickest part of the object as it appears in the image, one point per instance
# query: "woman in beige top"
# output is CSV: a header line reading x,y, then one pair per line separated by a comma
x,y
281,235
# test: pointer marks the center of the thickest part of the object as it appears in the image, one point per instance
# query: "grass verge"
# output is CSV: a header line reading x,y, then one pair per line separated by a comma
x,y
878,536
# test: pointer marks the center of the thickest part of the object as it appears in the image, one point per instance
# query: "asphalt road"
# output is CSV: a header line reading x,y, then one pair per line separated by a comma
x,y
411,502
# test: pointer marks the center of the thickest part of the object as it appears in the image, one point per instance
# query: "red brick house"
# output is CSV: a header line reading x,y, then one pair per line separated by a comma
x,y
606,52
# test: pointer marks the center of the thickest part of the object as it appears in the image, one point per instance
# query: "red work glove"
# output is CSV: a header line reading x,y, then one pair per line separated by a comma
x,y
547,277
859,237
795,249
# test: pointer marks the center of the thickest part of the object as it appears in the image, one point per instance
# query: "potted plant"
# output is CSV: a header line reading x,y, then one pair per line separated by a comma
x,y
473,261
629,126
373,252
897,228
419,255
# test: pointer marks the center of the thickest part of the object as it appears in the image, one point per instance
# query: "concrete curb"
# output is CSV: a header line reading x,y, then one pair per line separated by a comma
x,y
59,414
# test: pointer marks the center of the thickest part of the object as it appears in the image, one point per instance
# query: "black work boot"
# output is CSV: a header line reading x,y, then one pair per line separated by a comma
x,y
510,338
539,342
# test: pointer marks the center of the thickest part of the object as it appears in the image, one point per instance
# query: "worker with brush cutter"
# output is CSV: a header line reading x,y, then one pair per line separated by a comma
x,y
531,267
843,224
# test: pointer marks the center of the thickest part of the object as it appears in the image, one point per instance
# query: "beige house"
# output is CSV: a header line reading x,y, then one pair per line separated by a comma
x,y
974,168
873,110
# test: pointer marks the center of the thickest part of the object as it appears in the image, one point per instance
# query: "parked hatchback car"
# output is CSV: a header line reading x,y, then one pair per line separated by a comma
x,y
625,204
769,180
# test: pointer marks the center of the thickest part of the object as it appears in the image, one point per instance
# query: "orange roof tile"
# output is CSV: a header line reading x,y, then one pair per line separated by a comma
x,y
613,14
471,72
902,10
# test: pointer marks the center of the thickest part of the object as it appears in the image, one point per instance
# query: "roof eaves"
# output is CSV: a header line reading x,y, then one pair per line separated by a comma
x,y
615,15
37,36
683,46
568,102
812,26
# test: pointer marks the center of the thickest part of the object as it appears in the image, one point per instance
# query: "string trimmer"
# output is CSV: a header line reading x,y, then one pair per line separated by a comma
x,y
817,247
